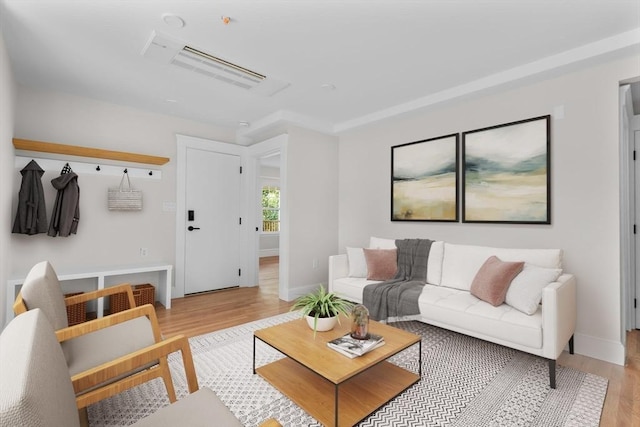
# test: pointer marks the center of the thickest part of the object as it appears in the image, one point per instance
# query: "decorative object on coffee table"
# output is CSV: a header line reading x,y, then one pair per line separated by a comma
x,y
321,305
360,322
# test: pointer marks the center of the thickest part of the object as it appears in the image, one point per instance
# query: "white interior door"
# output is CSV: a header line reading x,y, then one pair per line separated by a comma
x,y
212,223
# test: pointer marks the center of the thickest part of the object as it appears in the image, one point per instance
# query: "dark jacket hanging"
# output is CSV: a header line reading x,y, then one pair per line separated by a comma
x,y
66,210
31,216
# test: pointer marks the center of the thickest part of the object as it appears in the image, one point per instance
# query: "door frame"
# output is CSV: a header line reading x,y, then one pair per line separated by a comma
x,y
185,142
255,152
628,126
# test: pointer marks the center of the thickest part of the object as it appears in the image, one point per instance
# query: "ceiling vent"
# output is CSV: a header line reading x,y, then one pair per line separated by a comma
x,y
203,63
167,50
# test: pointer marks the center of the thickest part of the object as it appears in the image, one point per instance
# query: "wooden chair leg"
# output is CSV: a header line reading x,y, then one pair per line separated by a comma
x,y
166,377
84,417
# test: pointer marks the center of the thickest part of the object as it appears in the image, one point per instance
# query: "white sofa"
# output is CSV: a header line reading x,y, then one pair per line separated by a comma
x,y
446,300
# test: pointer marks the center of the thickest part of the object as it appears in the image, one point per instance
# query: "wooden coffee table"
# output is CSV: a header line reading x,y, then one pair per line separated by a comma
x,y
331,387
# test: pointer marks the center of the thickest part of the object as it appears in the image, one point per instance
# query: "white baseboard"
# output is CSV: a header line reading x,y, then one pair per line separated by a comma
x,y
598,348
268,252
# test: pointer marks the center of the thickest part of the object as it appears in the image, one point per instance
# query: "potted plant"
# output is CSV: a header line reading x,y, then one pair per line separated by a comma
x,y
322,309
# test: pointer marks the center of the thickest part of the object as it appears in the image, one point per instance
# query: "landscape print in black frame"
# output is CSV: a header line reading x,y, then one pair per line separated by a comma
x,y
424,180
506,173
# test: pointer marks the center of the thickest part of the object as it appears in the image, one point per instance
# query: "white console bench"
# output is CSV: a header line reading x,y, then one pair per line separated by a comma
x,y
105,277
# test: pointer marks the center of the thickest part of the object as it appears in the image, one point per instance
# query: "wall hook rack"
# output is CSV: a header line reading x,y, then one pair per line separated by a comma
x,y
54,166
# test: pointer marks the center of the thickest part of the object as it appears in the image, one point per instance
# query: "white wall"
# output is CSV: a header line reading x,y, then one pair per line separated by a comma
x,y
104,237
312,200
585,186
7,110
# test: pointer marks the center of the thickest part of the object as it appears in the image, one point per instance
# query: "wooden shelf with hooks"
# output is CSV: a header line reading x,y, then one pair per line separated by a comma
x,y
72,150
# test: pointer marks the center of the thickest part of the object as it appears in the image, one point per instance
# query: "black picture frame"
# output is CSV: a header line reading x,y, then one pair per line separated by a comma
x,y
424,180
506,175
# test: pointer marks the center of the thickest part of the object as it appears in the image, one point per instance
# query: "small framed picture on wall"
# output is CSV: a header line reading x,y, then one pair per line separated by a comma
x,y
506,173
424,180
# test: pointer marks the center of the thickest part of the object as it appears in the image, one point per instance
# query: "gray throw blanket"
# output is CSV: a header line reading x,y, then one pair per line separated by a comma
x,y
398,297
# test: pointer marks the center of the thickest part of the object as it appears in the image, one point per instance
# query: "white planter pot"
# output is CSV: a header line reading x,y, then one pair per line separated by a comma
x,y
324,323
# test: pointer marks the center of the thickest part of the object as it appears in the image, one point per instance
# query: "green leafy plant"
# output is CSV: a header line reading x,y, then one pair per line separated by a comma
x,y
322,304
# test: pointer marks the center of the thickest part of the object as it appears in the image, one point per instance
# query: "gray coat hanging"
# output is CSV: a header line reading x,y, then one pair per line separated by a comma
x,y
31,216
66,210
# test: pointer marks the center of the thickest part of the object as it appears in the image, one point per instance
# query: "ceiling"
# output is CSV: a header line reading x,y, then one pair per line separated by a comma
x,y
347,63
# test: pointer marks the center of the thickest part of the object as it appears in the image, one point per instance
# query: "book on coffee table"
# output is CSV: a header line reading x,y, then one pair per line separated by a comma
x,y
353,347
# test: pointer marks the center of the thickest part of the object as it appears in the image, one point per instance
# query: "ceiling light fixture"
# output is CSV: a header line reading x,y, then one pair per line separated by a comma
x,y
225,19
174,21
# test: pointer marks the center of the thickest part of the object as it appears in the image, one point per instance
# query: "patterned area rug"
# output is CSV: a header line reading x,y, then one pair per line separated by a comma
x,y
465,382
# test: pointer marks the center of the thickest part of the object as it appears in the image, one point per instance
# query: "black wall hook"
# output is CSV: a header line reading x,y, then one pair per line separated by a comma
x,y
98,168
126,171
150,173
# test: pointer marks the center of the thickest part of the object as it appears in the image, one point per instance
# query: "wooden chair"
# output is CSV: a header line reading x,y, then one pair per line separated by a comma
x,y
130,333
37,391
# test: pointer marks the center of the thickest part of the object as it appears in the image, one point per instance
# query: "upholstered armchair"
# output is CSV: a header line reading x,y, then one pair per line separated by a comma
x,y
130,333
37,390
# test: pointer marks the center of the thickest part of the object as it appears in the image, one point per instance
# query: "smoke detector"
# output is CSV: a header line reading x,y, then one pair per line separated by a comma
x,y
165,49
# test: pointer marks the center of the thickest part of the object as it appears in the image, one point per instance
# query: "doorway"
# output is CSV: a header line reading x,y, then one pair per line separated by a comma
x,y
269,202
630,204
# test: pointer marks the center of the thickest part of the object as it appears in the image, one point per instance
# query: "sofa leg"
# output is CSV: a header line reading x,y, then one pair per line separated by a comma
x,y
552,373
571,345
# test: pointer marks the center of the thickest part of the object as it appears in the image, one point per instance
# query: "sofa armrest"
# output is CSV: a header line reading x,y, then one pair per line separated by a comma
x,y
559,312
338,267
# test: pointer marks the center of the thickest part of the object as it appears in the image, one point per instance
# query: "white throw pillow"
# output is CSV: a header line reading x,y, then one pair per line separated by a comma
x,y
525,292
357,262
379,243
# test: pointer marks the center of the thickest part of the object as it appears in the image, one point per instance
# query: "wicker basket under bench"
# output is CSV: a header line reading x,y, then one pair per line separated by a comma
x,y
76,313
142,294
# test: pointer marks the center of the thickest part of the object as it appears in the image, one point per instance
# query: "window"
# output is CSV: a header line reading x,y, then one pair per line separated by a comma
x,y
270,209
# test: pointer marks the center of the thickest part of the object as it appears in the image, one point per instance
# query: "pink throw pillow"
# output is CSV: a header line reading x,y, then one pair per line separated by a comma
x,y
382,264
493,279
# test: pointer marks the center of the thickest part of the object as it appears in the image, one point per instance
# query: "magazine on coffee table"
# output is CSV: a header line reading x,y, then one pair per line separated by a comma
x,y
352,347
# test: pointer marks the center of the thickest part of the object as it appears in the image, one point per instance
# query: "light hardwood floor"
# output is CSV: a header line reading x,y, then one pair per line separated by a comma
x,y
196,315
212,311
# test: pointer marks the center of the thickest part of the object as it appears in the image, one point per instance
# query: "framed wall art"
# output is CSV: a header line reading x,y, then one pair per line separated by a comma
x,y
424,180
506,173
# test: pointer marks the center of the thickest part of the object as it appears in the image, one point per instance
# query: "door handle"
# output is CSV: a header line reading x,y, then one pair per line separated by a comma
x,y
191,228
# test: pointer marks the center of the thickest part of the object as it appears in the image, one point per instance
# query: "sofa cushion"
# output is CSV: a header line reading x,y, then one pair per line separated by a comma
x,y
461,262
493,280
525,292
380,243
460,311
434,265
382,264
357,262
350,288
